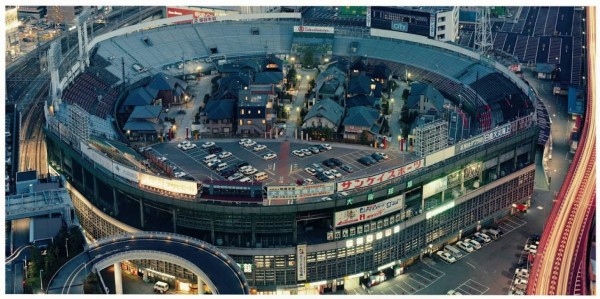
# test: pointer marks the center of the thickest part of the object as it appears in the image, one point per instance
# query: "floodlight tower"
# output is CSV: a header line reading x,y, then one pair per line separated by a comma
x,y
483,31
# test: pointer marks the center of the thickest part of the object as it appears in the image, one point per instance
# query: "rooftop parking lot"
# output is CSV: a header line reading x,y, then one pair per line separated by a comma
x,y
286,167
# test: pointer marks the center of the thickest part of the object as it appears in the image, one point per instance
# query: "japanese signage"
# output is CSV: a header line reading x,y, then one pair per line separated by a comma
x,y
432,25
176,12
301,262
497,133
368,16
314,29
368,212
176,186
299,192
380,178
435,187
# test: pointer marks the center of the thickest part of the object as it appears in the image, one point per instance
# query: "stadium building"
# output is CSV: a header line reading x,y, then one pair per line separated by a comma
x,y
390,218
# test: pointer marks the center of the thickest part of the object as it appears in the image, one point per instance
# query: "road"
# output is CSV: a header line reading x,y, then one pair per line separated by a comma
x,y
68,280
560,267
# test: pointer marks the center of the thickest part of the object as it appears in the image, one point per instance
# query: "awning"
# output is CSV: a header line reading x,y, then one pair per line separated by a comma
x,y
522,207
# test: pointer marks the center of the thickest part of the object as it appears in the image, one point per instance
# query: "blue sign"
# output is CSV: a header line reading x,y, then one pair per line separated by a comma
x,y
400,26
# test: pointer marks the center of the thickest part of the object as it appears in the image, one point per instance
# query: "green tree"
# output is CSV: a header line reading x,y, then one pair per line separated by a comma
x,y
308,59
364,138
291,76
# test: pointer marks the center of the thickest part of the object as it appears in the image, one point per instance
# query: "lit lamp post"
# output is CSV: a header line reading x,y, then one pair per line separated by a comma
x,y
41,284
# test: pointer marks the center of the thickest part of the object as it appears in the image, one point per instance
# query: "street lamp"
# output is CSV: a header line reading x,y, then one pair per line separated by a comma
x,y
41,285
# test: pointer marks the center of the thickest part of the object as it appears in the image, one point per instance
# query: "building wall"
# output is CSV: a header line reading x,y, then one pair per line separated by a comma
x,y
315,122
449,21
12,33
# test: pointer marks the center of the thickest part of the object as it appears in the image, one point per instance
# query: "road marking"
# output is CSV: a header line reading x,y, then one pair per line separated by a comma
x,y
392,291
471,265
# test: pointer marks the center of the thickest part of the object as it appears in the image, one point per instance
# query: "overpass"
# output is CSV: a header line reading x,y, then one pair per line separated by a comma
x,y
560,267
214,268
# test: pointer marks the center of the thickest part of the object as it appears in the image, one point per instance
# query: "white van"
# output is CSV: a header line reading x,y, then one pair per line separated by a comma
x,y
221,166
209,157
161,287
261,176
455,252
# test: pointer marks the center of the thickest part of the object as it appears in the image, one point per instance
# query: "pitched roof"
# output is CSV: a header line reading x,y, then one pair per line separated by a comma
x,y
361,100
361,117
145,112
142,125
381,71
231,85
268,78
358,65
272,59
417,89
359,84
162,81
328,109
219,109
332,72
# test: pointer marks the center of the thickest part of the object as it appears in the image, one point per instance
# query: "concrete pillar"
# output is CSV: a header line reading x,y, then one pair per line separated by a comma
x,y
83,179
115,205
174,220
94,181
141,213
295,231
200,286
118,279
212,229
253,223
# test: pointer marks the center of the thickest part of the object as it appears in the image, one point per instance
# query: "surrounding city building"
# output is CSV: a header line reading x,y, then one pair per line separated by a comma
x,y
325,113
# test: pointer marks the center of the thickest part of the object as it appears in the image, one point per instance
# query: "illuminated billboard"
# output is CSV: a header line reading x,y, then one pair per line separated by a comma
x,y
176,186
368,212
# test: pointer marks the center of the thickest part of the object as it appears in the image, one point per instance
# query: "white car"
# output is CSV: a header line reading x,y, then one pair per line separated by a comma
x,y
306,152
453,292
244,141
485,237
245,179
326,146
383,155
162,159
329,175
446,256
185,143
520,281
180,174
310,170
531,248
326,198
335,173
249,171
249,144
465,246
270,156
208,144
188,147
235,176
522,273
259,148
213,162
298,153
308,182
224,155
473,243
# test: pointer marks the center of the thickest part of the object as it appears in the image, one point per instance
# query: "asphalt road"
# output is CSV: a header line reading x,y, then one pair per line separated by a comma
x,y
69,279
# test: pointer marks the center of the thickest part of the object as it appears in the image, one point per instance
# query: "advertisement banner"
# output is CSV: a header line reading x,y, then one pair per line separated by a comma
x,y
176,186
497,133
435,187
177,12
368,16
432,25
467,145
380,178
372,211
125,172
314,29
301,262
400,26
299,192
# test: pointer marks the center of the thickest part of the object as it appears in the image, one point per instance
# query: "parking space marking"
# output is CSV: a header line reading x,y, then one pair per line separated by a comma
x,y
473,285
476,285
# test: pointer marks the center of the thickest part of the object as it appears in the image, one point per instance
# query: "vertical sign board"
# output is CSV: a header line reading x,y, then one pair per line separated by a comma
x,y
301,262
432,25
368,16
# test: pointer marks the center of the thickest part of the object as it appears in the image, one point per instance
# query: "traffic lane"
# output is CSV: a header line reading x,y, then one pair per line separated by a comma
x,y
219,272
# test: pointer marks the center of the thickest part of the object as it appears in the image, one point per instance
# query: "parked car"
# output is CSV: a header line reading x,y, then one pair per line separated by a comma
x,y
244,141
364,161
530,248
335,173
326,198
348,168
376,157
473,243
224,155
317,167
326,146
249,144
215,150
522,273
314,150
383,155
269,156
485,237
235,176
322,177
328,163
306,152
446,256
298,153
465,246
184,143
520,281
453,292
337,161
308,182
208,144
259,148
310,170
329,175
249,171
179,174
